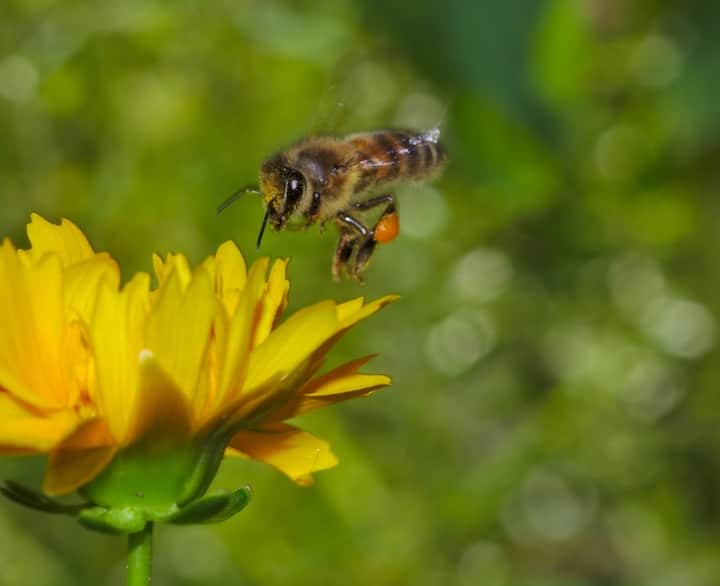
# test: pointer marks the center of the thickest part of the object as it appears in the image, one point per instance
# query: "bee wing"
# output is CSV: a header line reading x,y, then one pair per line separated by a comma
x,y
356,162
361,163
363,88
338,101
367,90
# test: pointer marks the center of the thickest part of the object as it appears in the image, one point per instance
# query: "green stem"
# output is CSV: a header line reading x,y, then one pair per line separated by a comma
x,y
140,557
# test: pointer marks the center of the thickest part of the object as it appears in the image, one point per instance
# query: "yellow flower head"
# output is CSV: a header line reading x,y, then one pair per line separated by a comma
x,y
95,374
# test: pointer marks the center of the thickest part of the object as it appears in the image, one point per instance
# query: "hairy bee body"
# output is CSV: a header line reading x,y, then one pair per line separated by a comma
x,y
324,178
340,169
392,155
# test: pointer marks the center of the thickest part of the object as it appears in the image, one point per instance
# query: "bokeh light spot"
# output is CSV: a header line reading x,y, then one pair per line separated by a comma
x,y
459,341
651,390
681,327
419,111
639,534
635,281
547,508
18,78
482,274
656,61
618,152
426,212
483,562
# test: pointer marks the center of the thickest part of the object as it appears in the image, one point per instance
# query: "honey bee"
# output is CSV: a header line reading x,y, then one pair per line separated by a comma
x,y
321,179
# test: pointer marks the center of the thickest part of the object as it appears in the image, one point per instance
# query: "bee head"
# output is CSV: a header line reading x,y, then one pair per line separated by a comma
x,y
283,188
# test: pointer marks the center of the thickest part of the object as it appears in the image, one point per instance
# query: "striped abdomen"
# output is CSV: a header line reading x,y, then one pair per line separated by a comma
x,y
391,155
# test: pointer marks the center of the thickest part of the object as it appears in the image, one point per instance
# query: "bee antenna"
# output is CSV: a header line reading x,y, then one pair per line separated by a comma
x,y
235,196
262,227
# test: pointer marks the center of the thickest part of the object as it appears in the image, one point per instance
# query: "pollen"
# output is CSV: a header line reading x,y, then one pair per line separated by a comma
x,y
388,228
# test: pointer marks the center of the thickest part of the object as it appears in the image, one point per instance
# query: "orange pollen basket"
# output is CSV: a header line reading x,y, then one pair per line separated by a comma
x,y
387,228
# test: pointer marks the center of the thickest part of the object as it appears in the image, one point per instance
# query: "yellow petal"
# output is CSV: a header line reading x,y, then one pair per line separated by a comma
x,y
158,267
340,384
178,328
230,269
292,354
76,359
172,262
68,470
229,275
90,434
27,430
306,404
82,281
162,413
239,407
274,301
66,240
32,318
294,452
349,308
116,334
351,312
79,458
348,314
350,383
292,343
205,401
235,350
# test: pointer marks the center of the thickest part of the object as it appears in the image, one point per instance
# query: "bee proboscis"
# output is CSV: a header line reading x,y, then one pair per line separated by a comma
x,y
322,179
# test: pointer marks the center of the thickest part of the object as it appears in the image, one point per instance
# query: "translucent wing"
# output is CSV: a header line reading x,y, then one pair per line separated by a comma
x,y
368,90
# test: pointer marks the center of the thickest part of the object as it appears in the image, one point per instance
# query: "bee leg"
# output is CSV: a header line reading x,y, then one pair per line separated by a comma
x,y
373,202
351,223
365,251
385,230
311,215
343,252
352,233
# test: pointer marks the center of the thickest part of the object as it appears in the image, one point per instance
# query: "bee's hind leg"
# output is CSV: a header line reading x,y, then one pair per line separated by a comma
x,y
385,230
343,252
365,251
353,235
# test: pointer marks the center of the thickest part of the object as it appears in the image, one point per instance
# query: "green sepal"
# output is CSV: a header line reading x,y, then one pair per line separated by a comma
x,y
213,508
125,520
210,455
34,500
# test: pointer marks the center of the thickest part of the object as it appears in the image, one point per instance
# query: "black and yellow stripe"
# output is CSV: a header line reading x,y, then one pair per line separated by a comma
x,y
393,154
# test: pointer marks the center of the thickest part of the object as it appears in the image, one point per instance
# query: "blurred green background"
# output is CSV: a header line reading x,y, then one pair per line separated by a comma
x,y
555,417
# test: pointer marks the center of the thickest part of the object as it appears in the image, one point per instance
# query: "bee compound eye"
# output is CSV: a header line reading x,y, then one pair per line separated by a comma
x,y
295,187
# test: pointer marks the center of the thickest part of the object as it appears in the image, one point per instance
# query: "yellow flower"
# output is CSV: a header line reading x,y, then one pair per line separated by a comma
x,y
109,379
46,295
